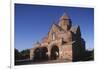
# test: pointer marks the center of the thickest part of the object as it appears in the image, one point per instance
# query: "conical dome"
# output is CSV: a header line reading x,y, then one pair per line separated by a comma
x,y
64,16
65,22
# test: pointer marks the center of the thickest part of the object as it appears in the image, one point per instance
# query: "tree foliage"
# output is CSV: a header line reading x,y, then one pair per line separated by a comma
x,y
89,55
24,54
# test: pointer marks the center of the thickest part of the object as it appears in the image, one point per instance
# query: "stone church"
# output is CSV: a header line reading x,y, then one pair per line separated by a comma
x,y
63,42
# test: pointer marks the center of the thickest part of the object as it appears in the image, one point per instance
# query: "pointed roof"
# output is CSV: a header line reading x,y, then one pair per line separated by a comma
x,y
57,26
54,25
64,16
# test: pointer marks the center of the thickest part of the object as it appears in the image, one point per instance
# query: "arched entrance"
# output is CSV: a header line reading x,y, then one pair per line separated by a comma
x,y
40,54
54,52
44,51
37,54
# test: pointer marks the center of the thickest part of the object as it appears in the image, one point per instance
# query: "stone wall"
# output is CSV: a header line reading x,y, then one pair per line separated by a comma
x,y
63,42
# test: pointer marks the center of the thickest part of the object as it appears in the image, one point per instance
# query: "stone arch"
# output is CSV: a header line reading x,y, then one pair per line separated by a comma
x,y
37,54
54,52
44,53
40,54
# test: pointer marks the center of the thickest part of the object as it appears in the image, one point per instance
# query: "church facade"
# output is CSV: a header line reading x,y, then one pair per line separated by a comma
x,y
63,42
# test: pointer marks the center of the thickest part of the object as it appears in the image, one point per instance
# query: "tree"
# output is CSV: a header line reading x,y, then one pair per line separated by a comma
x,y
17,54
89,55
25,54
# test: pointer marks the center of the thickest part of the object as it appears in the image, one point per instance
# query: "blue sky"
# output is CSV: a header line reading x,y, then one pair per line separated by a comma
x,y
32,23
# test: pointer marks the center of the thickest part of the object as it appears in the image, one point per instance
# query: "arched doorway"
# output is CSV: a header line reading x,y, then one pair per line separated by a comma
x,y
40,54
44,51
54,52
37,54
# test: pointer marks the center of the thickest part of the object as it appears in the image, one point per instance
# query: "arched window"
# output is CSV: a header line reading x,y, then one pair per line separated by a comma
x,y
53,36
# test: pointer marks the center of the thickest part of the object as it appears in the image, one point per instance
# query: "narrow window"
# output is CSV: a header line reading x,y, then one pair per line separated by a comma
x,y
53,36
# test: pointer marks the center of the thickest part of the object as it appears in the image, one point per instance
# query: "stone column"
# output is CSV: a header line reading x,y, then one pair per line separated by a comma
x,y
60,48
31,54
60,53
49,52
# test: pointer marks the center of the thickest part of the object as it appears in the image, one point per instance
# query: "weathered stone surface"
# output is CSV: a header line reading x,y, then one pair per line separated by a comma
x,y
63,42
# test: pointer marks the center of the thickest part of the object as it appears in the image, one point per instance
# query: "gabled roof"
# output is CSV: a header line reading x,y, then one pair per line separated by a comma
x,y
59,27
56,26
